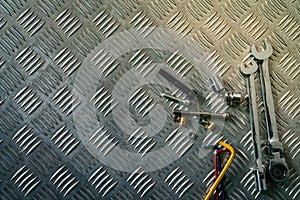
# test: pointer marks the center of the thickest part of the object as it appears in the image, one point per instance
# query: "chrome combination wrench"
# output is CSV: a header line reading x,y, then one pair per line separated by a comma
x,y
249,72
277,168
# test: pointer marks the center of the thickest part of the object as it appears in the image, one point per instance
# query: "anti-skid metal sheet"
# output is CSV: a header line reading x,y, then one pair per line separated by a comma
x,y
60,122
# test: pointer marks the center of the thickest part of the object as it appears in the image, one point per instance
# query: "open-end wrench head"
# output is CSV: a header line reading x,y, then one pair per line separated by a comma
x,y
250,68
265,53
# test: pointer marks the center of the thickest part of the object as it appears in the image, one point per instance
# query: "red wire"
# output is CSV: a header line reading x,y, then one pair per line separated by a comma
x,y
216,153
216,171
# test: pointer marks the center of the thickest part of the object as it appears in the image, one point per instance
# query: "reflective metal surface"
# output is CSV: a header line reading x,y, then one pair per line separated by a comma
x,y
45,46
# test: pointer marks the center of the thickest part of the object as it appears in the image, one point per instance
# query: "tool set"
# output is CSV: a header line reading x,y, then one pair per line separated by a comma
x,y
271,151
268,155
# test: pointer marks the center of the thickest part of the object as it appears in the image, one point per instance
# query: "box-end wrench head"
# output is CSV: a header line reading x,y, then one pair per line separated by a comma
x,y
278,170
265,53
249,68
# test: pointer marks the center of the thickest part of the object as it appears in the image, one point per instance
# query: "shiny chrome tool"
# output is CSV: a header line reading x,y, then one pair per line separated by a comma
x,y
180,116
277,167
249,72
176,99
231,98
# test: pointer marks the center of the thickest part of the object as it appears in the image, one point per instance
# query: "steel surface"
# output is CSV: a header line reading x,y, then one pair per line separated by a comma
x,y
46,151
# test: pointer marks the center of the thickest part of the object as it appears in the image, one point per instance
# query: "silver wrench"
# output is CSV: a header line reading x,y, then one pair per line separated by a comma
x,y
249,72
278,170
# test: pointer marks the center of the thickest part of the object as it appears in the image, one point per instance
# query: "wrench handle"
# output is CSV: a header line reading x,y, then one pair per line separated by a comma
x,y
260,175
269,104
254,121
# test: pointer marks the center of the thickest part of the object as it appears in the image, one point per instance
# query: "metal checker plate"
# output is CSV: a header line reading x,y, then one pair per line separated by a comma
x,y
43,45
